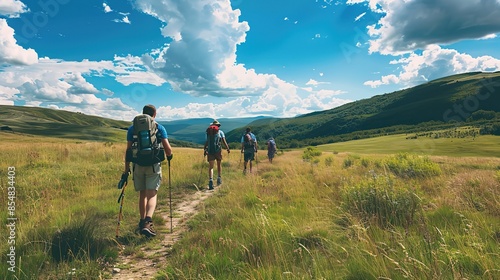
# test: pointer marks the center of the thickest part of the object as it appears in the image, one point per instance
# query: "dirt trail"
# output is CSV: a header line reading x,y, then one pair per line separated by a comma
x,y
145,264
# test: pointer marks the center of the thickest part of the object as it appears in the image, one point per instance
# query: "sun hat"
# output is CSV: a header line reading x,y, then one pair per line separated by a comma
x,y
215,122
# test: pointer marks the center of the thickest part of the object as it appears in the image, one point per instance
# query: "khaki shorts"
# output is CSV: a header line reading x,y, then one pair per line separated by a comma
x,y
216,156
249,156
145,178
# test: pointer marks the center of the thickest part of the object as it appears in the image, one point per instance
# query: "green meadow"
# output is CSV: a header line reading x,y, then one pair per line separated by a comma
x,y
379,208
483,146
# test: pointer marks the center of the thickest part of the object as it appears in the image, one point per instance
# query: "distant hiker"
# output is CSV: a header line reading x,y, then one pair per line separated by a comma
x,y
147,146
248,148
213,151
271,149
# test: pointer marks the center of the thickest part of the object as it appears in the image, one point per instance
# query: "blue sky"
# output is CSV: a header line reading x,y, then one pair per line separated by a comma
x,y
221,58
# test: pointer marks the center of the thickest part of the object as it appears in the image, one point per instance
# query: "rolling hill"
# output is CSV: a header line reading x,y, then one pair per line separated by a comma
x,y
464,99
61,124
469,99
69,125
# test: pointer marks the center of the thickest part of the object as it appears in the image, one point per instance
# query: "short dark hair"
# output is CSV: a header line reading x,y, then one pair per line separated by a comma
x,y
248,129
149,110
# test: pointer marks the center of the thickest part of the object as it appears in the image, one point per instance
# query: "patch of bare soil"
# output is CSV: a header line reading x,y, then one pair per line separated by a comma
x,y
146,263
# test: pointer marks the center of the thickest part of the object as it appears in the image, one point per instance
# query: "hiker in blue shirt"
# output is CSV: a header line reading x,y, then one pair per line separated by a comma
x,y
248,148
147,179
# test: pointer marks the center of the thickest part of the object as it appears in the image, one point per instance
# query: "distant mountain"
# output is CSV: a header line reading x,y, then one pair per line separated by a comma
x,y
193,130
465,99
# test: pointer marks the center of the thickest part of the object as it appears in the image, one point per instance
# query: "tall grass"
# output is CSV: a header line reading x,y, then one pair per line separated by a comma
x,y
66,206
361,222
372,219
379,199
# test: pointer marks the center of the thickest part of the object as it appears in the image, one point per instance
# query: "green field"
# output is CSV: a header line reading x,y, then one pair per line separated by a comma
x,y
381,208
483,146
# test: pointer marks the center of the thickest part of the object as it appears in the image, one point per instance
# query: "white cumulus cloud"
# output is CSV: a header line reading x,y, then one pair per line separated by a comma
x,y
410,25
201,59
435,62
12,8
10,51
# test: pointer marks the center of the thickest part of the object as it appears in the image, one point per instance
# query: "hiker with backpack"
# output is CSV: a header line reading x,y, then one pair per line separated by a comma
x,y
271,149
248,148
213,150
147,147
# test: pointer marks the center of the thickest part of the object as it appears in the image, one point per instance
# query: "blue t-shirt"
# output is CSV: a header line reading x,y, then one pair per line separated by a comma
x,y
220,135
251,135
162,133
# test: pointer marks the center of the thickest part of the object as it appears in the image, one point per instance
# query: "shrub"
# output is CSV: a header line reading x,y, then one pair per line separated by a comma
x,y
329,161
377,198
348,162
310,153
411,166
78,241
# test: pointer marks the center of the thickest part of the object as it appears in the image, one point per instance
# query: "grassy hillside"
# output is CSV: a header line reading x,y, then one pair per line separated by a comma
x,y
465,99
484,146
61,124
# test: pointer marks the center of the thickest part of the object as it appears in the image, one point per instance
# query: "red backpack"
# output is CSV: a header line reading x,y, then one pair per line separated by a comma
x,y
213,139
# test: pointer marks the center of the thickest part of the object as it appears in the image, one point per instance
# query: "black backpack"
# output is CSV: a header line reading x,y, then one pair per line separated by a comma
x,y
272,145
146,145
248,142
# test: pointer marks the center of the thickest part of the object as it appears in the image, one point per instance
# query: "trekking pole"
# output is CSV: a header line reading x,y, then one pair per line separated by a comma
x,y
170,197
201,173
121,185
256,161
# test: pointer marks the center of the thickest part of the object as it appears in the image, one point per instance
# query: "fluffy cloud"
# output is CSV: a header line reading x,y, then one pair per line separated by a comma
x,y
112,108
410,25
435,62
62,84
12,8
10,51
198,58
7,95
272,103
201,58
203,110
107,8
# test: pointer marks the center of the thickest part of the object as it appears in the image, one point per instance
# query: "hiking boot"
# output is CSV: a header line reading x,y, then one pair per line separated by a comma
x,y
211,185
245,171
148,229
140,226
219,181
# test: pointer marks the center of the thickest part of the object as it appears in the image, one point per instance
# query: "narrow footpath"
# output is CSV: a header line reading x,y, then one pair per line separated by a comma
x,y
145,264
